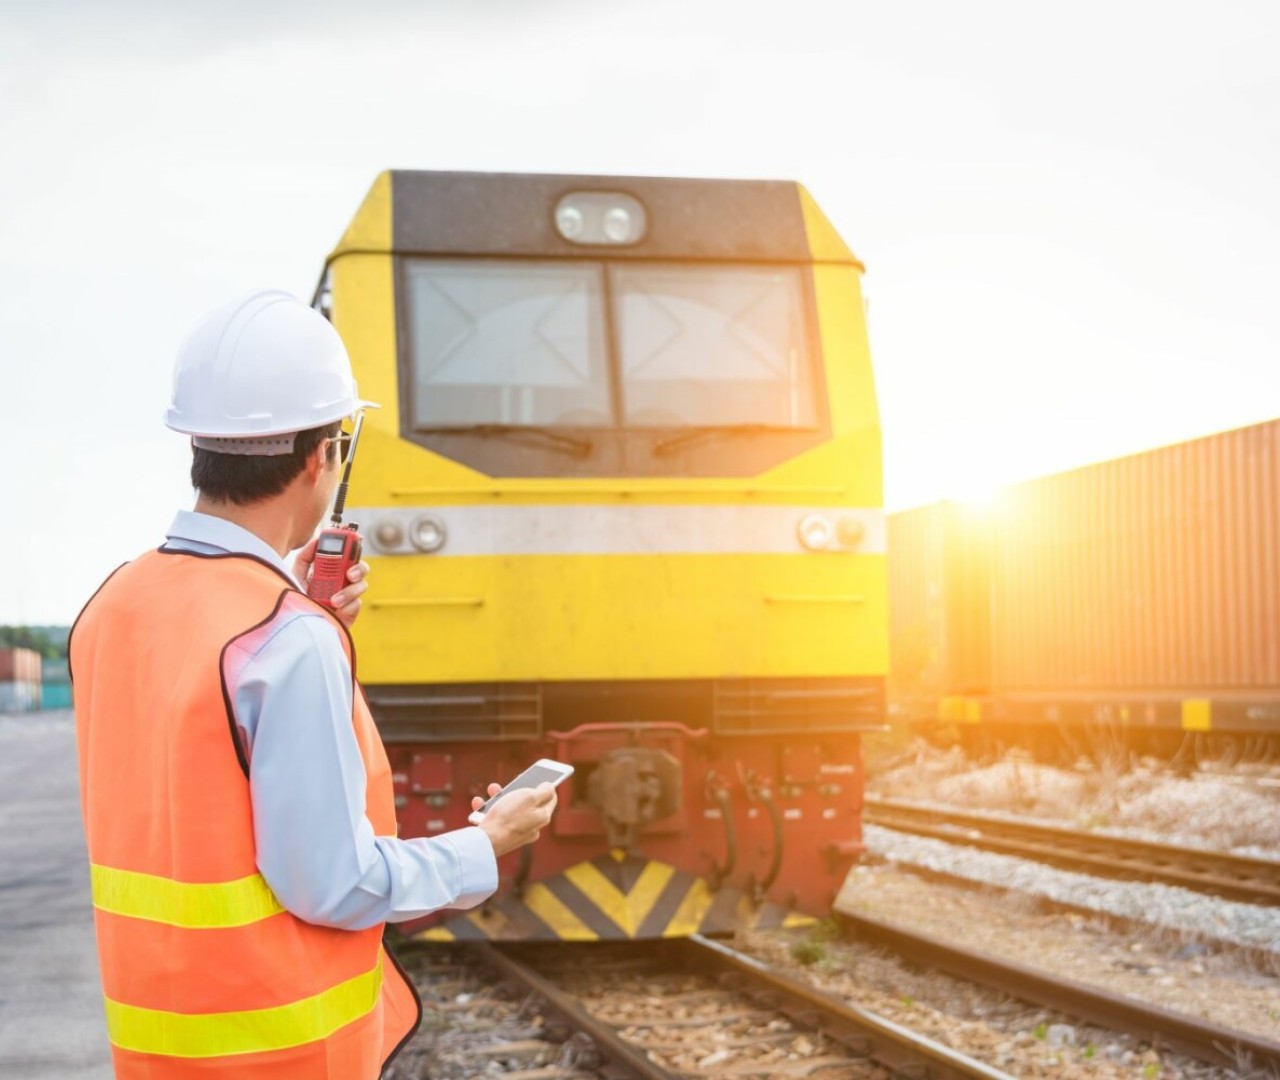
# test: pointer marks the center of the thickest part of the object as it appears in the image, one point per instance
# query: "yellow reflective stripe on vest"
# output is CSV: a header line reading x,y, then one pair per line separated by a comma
x,y
200,1035
181,903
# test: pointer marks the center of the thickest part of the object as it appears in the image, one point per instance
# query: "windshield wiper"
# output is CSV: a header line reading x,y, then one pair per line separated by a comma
x,y
702,434
570,444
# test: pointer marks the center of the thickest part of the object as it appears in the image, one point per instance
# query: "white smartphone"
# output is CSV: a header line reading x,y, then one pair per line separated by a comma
x,y
543,771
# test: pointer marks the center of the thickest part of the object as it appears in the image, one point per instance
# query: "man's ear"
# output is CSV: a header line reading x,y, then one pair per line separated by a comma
x,y
316,461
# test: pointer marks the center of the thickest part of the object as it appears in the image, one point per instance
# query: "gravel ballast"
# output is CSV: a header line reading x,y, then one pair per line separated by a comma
x,y
1154,943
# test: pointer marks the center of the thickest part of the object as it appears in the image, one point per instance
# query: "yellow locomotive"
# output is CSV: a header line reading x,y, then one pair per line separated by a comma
x,y
623,506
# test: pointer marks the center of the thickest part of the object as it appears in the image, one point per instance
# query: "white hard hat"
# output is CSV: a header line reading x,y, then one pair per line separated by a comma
x,y
264,364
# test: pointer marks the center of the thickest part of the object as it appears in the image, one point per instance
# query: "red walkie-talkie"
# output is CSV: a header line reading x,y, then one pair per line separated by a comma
x,y
339,546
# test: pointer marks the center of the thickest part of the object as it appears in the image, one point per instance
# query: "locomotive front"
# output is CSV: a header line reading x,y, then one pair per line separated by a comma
x,y
623,505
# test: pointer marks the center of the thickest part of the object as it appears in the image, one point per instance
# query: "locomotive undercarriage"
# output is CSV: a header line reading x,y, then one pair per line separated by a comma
x,y
696,805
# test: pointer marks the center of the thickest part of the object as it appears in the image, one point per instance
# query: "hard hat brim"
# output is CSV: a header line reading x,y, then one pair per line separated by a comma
x,y
175,422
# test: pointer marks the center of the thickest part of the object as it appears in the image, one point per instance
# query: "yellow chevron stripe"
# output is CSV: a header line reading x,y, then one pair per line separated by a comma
x,y
552,911
203,1035
692,910
628,910
492,922
647,890
216,905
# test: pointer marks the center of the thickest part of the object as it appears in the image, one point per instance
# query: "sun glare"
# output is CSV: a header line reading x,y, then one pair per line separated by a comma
x,y
976,493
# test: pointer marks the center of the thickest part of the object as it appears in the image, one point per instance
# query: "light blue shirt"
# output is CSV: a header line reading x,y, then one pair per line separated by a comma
x,y
292,697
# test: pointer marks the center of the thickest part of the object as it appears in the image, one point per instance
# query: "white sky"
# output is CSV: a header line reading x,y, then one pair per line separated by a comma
x,y
1070,213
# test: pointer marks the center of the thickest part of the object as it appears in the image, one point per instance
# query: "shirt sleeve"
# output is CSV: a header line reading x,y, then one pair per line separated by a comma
x,y
291,692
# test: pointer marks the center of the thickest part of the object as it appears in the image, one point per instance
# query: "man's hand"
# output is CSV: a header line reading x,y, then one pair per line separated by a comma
x,y
518,817
346,602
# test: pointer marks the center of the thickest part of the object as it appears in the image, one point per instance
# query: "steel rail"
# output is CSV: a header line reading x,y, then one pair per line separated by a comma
x,y
628,1060
1234,877
1196,1038
863,1033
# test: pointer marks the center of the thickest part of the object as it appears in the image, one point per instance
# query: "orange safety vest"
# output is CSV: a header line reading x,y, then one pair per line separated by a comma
x,y
203,971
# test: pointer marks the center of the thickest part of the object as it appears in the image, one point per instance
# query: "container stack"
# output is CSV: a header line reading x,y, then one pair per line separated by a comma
x,y
55,688
19,680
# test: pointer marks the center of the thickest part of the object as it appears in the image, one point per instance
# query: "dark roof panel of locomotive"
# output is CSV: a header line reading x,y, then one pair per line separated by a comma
x,y
513,214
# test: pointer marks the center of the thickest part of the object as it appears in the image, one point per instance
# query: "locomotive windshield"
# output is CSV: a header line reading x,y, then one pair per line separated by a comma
x,y
630,346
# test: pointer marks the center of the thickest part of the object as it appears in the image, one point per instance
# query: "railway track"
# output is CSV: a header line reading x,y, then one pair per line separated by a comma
x,y
693,1007
720,1013
1233,877
1185,1034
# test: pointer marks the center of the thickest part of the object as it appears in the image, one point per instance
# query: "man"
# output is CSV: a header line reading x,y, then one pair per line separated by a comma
x,y
238,805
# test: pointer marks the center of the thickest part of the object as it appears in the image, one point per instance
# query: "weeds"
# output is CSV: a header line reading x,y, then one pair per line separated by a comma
x,y
813,949
808,952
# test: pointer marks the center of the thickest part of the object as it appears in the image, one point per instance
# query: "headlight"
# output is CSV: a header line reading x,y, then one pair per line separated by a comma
x,y
388,535
816,532
850,531
427,533
601,217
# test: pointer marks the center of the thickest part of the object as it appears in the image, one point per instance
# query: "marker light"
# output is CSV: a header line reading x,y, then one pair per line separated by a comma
x,y
850,531
427,533
388,535
601,217
816,532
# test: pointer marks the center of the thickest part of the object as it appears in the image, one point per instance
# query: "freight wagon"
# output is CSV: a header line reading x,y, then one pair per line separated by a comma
x,y
1139,596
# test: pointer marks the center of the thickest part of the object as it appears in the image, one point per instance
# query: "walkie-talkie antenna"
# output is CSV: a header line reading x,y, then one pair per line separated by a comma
x,y
340,500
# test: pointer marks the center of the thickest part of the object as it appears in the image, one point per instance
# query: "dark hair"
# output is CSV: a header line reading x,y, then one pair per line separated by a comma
x,y
245,478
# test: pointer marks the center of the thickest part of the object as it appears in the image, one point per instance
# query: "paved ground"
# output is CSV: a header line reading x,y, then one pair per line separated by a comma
x,y
51,1025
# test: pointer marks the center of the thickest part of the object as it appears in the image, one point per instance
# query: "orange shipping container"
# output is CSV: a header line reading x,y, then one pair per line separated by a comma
x,y
1144,590
19,665
1156,572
